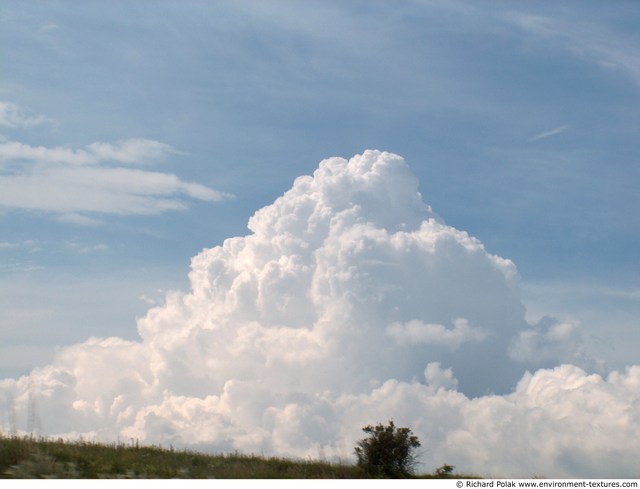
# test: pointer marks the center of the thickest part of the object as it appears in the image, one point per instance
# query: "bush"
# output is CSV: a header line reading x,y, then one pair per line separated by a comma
x,y
388,451
445,471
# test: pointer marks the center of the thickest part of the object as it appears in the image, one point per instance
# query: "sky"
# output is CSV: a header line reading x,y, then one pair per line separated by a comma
x,y
266,225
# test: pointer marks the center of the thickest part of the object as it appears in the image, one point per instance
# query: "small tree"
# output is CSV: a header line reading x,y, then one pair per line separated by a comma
x,y
445,471
388,451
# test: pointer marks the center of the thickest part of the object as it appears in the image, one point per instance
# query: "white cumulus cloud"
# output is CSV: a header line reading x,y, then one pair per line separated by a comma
x,y
350,302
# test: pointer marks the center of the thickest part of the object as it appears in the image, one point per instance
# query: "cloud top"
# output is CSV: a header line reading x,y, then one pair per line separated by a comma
x,y
350,302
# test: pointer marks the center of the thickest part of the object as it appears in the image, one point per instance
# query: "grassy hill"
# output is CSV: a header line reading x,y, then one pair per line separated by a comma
x,y
42,458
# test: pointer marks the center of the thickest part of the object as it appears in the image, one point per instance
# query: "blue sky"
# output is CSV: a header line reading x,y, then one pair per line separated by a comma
x,y
519,119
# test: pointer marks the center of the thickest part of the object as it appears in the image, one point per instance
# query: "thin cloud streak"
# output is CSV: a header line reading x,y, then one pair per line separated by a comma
x,y
548,134
591,42
119,191
578,289
14,116
70,182
131,151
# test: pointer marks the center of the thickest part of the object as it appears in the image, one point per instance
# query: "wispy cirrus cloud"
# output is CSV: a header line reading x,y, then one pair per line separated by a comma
x,y
589,41
75,184
13,115
129,151
132,151
548,134
72,182
21,267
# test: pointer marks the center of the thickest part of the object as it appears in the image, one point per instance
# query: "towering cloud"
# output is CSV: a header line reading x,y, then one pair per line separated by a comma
x,y
350,302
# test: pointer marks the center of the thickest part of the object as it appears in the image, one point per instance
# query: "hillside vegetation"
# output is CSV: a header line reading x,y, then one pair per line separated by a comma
x,y
28,457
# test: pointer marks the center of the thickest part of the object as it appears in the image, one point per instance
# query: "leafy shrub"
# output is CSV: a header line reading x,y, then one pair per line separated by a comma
x,y
388,451
445,471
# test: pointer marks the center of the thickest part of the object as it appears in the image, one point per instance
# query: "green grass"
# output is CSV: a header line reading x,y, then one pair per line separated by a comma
x,y
42,458
31,458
